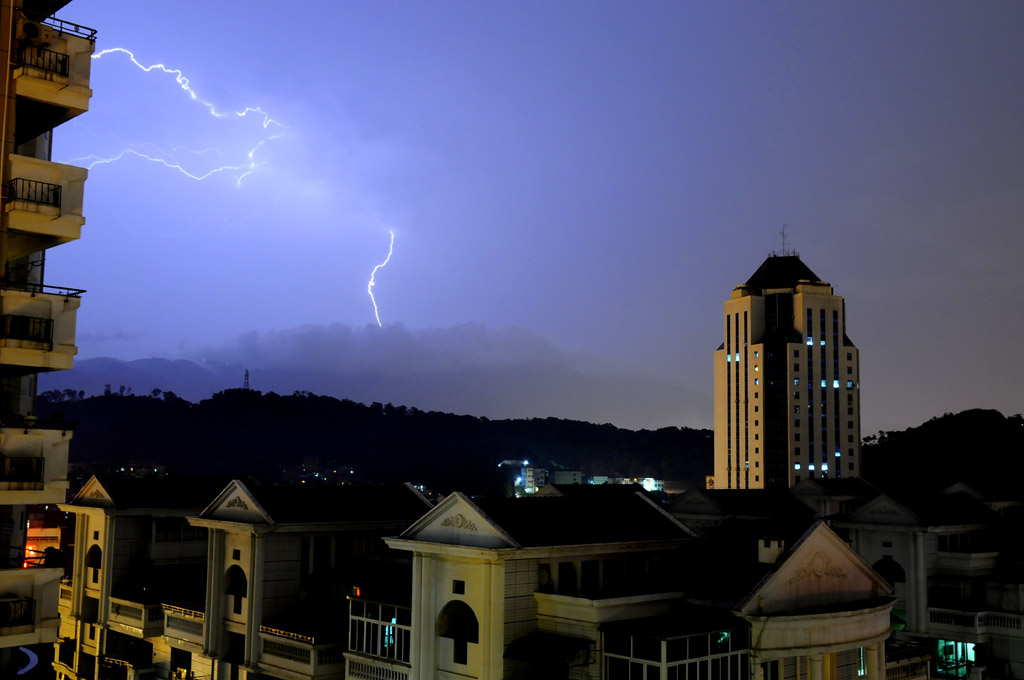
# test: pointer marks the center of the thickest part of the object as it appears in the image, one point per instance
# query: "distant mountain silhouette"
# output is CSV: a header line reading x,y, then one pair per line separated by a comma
x,y
520,390
982,448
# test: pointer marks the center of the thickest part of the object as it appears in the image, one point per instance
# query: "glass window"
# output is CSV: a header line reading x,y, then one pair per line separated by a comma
x,y
954,659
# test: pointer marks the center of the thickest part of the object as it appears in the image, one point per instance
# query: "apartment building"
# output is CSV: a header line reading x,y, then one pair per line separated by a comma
x,y
787,382
602,583
46,84
134,553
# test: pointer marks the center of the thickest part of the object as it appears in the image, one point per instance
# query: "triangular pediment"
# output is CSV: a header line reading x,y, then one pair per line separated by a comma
x,y
693,501
884,510
93,494
820,572
458,521
236,504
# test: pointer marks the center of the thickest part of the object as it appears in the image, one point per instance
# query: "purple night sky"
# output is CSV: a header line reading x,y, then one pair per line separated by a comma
x,y
569,184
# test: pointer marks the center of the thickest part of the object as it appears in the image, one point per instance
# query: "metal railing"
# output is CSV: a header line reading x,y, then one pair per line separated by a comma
x,y
21,468
27,328
48,60
71,27
38,288
308,639
34,191
17,611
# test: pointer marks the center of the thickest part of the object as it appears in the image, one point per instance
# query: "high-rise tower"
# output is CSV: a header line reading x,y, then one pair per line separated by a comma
x,y
787,404
46,83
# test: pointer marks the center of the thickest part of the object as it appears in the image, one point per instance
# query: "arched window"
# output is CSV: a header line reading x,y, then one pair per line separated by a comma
x,y
890,570
236,586
93,562
458,622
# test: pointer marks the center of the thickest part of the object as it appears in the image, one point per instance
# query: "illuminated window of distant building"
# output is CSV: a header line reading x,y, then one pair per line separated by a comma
x,y
728,358
849,384
862,665
757,354
835,384
954,659
810,341
756,381
822,343
810,466
796,382
796,466
756,369
824,383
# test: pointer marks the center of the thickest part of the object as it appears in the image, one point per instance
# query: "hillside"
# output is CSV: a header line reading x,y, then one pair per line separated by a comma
x,y
245,432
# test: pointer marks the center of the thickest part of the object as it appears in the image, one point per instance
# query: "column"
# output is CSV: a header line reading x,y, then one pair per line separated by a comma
x,y
920,583
814,662
254,608
871,661
214,576
416,637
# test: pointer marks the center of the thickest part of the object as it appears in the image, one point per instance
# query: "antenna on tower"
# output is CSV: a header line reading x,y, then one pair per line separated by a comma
x,y
245,385
785,252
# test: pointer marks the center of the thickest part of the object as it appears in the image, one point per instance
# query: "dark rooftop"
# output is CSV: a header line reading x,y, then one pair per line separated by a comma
x,y
598,515
781,271
307,504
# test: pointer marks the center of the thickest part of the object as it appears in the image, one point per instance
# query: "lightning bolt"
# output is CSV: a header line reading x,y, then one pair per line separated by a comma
x,y
246,168
369,288
180,78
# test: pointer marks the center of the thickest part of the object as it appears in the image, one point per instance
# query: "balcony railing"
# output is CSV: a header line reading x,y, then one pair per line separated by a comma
x,y
27,328
34,191
21,468
183,624
17,611
38,288
362,668
298,653
42,58
72,28
978,623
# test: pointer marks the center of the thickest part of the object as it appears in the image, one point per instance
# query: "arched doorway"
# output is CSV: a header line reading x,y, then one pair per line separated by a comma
x,y
458,623
93,562
236,586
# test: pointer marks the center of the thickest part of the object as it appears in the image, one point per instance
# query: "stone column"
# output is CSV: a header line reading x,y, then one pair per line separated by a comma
x,y
872,662
214,585
814,670
254,596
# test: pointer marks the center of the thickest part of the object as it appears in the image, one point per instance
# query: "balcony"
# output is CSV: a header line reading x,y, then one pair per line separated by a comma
x,y
52,62
289,653
33,461
967,563
359,667
37,327
117,669
44,204
183,625
28,607
973,626
136,619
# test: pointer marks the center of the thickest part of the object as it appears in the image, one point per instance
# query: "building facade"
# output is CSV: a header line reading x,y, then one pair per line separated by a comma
x,y
787,401
46,84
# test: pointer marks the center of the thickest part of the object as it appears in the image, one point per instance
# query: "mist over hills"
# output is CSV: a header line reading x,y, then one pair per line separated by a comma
x,y
468,369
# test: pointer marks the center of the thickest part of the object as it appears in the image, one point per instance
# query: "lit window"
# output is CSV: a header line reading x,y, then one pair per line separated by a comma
x,y
824,383
810,341
954,659
835,384
757,354
810,466
822,343
824,467
756,381
796,382
796,466
728,358
849,383
837,453
737,356
756,369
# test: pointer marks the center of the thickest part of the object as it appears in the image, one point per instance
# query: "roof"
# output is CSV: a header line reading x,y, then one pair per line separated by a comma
x,y
316,504
781,271
684,619
187,493
598,515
